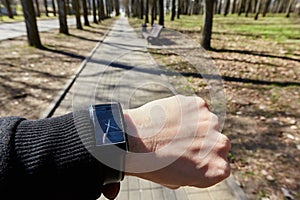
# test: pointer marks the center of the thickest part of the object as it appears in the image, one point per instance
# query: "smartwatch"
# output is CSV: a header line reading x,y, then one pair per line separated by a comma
x,y
110,139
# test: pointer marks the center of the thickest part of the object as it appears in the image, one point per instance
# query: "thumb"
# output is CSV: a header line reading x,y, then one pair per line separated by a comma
x,y
111,191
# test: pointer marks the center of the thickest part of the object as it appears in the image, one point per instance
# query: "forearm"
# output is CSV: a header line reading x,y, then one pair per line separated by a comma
x,y
49,159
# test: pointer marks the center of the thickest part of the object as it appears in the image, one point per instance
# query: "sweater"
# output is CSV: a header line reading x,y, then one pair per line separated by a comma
x,y
46,159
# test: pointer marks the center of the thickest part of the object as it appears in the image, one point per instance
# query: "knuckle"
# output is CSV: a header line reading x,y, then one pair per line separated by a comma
x,y
225,142
225,170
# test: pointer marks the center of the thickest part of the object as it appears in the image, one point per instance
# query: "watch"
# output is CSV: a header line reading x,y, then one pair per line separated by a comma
x,y
110,139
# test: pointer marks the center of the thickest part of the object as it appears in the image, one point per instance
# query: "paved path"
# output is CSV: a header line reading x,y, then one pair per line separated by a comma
x,y
16,29
120,69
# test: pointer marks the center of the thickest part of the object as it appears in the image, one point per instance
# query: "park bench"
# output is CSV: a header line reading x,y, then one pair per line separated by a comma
x,y
153,34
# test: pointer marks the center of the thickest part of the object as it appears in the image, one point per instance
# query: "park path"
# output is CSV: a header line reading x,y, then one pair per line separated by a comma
x,y
121,69
17,29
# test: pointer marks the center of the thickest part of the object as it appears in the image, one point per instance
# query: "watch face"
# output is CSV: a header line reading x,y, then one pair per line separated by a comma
x,y
108,122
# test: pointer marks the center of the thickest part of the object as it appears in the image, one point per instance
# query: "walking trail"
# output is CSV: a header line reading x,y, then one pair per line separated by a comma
x,y
121,69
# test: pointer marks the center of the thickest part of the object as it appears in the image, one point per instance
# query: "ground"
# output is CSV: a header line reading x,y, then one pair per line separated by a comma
x,y
260,64
31,78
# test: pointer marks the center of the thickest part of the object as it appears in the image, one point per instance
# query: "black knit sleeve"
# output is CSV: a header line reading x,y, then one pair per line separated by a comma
x,y
46,159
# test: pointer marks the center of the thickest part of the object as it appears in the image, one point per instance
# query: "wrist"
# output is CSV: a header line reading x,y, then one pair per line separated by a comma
x,y
137,143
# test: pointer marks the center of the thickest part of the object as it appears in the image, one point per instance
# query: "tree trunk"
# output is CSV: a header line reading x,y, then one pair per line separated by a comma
x,y
258,7
94,12
178,9
173,10
280,7
233,7
219,7
147,12
226,9
142,9
76,7
161,20
31,26
62,13
207,24
288,9
7,4
266,7
153,12
117,7
46,8
85,13
54,8
248,7
37,6
241,7
101,14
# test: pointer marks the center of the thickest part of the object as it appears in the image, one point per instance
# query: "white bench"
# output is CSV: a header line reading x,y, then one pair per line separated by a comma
x,y
153,34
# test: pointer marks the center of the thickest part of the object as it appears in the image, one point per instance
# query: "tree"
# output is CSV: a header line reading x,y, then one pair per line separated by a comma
x,y
31,26
7,5
178,9
85,13
117,7
101,10
241,7
46,8
266,7
94,11
37,5
208,22
226,8
258,8
62,16
173,10
248,7
161,12
233,7
147,12
288,9
53,7
142,9
76,7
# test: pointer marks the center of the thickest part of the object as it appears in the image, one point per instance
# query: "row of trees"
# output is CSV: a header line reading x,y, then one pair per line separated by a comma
x,y
100,10
154,8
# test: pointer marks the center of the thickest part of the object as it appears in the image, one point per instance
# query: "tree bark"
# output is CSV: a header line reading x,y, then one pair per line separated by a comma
x,y
117,7
147,12
94,12
248,7
142,9
233,7
288,9
241,7
54,8
37,6
62,16
173,10
161,20
85,13
258,8
178,9
76,7
7,4
46,8
101,14
31,26
226,9
207,24
266,7
219,7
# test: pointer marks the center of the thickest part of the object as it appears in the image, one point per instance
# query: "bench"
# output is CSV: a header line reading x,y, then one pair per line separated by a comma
x,y
153,34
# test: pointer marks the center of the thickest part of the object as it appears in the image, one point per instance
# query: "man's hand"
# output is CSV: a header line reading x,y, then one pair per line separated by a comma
x,y
175,142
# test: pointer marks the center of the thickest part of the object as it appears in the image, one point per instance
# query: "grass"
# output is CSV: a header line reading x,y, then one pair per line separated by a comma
x,y
275,27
